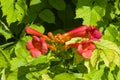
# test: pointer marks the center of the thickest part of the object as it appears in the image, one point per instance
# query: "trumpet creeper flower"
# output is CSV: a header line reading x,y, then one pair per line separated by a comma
x,y
85,48
37,46
85,32
34,32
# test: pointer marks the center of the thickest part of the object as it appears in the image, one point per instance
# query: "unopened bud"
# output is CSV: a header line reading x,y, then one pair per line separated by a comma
x,y
52,47
46,37
50,34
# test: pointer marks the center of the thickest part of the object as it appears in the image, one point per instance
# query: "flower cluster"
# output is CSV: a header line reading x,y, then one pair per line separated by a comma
x,y
38,45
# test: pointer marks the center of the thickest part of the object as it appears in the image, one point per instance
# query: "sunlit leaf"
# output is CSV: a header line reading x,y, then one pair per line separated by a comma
x,y
14,11
108,33
47,15
95,74
20,49
12,75
39,28
46,77
110,76
40,59
91,11
64,76
117,7
106,44
95,57
3,62
108,56
16,63
117,59
6,34
57,4
118,75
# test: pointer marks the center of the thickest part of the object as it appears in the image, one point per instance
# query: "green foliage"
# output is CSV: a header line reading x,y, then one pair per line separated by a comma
x,y
91,11
59,16
14,11
59,5
47,16
64,76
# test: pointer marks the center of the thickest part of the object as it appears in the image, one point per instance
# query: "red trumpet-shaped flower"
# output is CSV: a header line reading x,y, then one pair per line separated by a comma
x,y
35,33
95,34
84,32
85,48
37,46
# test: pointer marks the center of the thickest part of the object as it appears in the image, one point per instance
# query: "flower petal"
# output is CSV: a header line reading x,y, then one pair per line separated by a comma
x,y
44,47
78,32
29,45
85,48
95,33
87,54
33,31
35,52
80,49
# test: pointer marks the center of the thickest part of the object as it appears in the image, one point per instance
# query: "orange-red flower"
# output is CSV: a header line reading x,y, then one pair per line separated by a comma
x,y
37,46
85,48
95,34
36,33
85,32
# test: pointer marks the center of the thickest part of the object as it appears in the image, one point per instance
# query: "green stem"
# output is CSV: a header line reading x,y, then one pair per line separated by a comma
x,y
4,25
4,54
7,44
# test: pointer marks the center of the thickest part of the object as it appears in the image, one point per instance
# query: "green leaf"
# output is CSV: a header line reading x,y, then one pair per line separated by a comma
x,y
14,11
110,76
46,77
39,28
95,74
7,35
94,58
34,2
109,52
57,4
47,15
106,44
117,7
73,40
40,59
79,76
20,9
108,56
64,76
91,11
3,75
117,59
16,63
118,75
77,58
12,76
108,33
20,49
3,62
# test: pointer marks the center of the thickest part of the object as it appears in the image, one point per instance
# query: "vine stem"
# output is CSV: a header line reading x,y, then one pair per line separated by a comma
x,y
4,25
4,54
